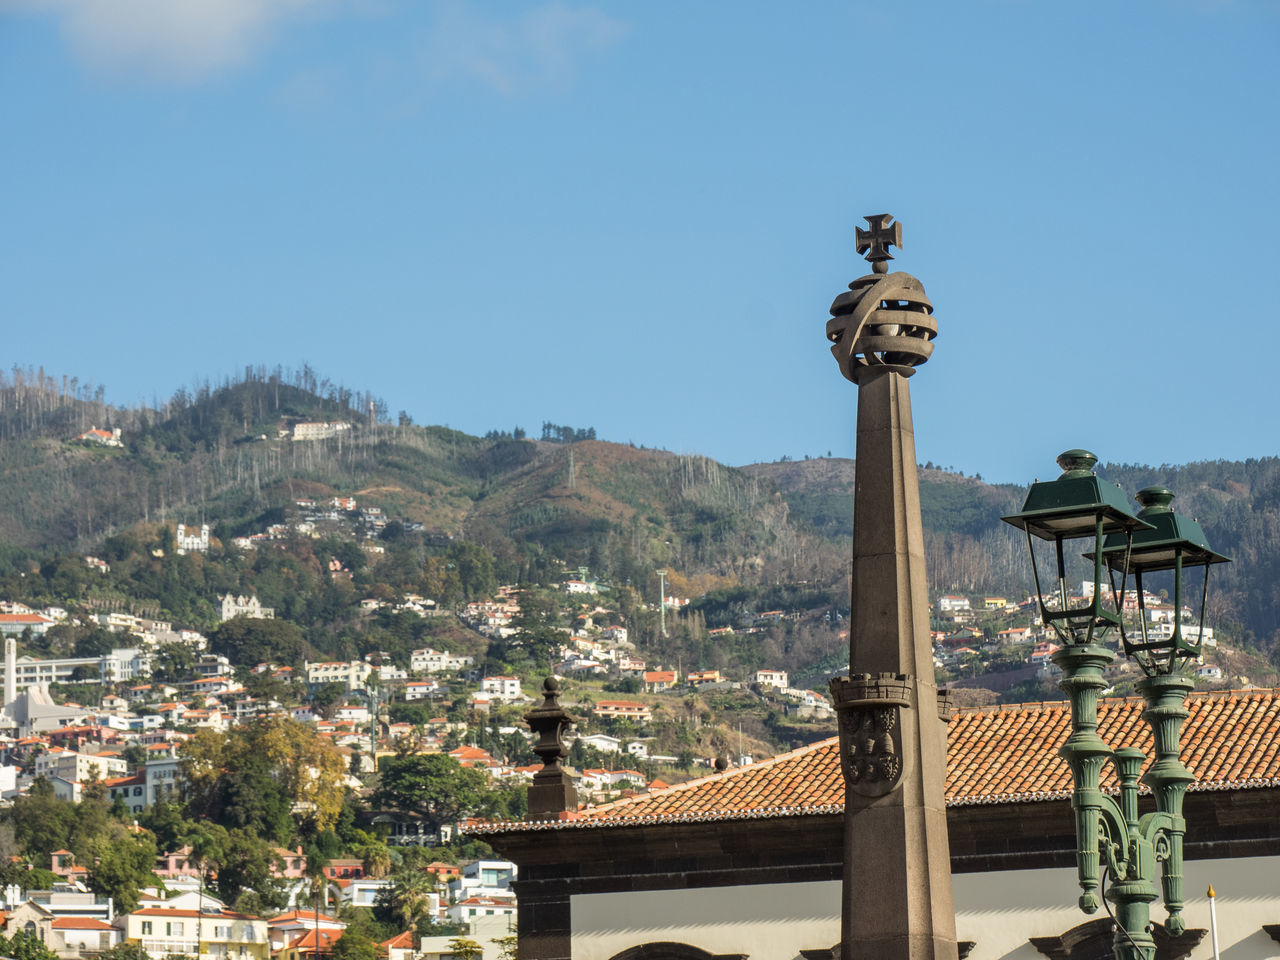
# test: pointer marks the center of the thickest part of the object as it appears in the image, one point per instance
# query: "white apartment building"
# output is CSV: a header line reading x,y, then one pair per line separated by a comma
x,y
1163,630
420,689
953,605
79,767
353,674
436,661
502,688
122,622
319,431
120,665
772,678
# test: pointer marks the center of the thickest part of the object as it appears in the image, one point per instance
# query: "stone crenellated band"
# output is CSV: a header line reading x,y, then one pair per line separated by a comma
x,y
869,706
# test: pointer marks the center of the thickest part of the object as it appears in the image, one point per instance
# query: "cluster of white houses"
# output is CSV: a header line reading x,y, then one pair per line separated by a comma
x,y
182,919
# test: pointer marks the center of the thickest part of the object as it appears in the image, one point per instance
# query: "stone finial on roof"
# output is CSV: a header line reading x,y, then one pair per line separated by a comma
x,y
552,792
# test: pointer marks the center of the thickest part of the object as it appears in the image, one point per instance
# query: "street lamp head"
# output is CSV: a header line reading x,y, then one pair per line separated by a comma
x,y
1173,542
1071,506
1076,506
1172,539
885,321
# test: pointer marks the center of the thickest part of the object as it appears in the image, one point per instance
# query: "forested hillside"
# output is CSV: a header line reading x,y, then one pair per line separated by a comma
x,y
224,455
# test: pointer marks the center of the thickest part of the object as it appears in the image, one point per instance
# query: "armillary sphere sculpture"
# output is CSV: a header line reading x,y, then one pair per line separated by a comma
x,y
1115,840
898,903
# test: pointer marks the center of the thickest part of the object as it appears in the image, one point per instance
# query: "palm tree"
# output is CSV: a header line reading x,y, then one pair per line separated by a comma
x,y
411,896
315,871
206,848
377,859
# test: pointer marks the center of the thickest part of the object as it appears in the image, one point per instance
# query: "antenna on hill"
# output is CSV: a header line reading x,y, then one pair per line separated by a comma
x,y
573,477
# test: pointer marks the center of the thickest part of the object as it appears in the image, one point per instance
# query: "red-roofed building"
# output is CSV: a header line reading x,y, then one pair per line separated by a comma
x,y
445,871
749,861
655,681
12,624
399,947
223,933
73,937
285,928
311,945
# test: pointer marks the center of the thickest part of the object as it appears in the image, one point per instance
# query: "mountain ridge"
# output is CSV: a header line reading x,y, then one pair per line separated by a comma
x,y
217,454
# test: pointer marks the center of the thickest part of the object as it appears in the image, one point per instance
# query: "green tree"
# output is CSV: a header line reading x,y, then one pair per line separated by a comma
x,y
41,822
250,641
165,821
464,948
327,698
354,946
122,867
95,642
406,903
376,857
125,951
174,663
248,777
207,843
25,946
434,785
249,864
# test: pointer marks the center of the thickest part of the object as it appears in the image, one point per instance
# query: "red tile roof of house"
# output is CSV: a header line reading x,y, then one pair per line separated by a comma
x,y
308,915
80,923
401,941
1003,754
325,938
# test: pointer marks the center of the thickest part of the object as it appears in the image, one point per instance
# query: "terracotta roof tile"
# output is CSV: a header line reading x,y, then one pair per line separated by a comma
x,y
1004,754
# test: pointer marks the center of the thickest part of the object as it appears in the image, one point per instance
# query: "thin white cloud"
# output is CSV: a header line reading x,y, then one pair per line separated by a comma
x,y
537,50
165,39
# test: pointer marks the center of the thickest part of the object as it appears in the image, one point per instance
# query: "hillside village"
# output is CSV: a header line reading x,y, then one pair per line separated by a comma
x,y
370,664
132,747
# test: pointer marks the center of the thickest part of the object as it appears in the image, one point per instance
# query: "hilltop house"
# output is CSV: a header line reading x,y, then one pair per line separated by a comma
x,y
102,438
233,606
953,604
189,540
655,681
352,674
427,660
623,710
771,678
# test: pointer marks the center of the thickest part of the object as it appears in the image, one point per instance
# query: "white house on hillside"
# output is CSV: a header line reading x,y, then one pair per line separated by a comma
x,y
189,540
233,606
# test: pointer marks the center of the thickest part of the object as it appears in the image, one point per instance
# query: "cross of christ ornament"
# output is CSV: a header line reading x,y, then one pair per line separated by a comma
x,y
875,242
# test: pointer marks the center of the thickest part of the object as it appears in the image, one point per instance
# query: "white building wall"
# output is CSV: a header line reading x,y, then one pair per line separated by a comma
x,y
998,911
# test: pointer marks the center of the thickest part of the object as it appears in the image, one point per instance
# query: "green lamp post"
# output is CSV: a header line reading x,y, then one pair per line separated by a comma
x,y
1113,840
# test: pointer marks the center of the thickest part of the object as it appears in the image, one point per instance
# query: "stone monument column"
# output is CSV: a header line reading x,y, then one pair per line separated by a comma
x,y
897,901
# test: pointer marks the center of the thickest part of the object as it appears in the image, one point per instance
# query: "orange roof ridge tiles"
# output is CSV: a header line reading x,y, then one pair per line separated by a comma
x,y
718,775
994,756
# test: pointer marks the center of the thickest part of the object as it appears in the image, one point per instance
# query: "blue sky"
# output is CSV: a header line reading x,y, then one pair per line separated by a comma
x,y
634,216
